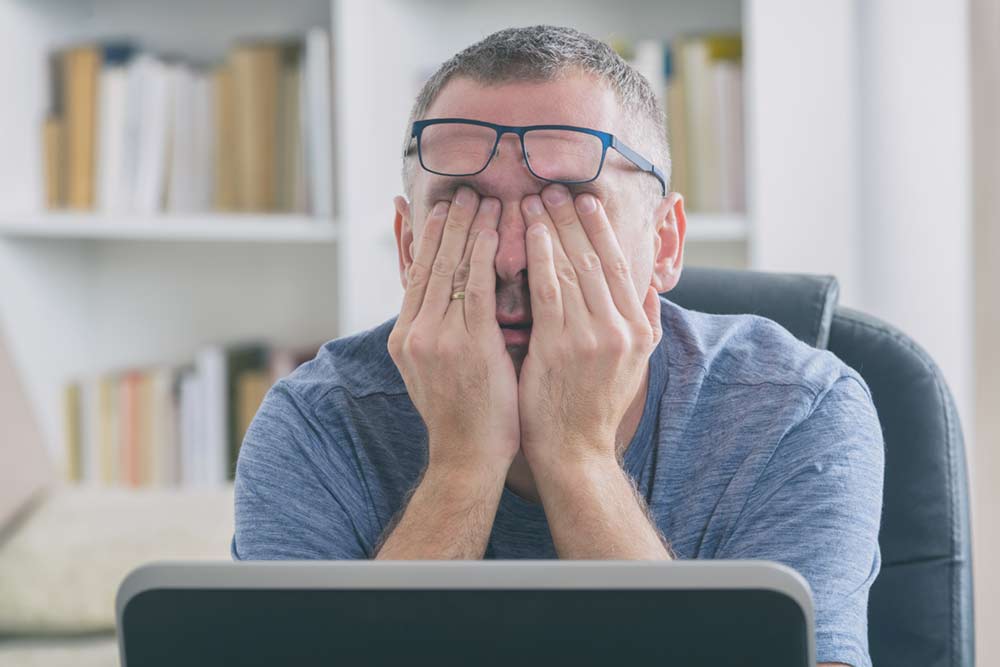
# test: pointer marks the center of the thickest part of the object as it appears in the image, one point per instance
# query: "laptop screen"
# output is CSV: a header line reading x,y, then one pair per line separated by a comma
x,y
524,628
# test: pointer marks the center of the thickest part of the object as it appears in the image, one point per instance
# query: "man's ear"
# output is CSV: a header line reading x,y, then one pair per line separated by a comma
x,y
403,227
670,226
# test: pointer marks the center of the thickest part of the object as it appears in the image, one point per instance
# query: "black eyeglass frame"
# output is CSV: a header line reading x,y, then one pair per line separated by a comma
x,y
607,141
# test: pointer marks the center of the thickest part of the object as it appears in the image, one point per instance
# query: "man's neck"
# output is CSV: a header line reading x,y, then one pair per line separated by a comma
x,y
519,477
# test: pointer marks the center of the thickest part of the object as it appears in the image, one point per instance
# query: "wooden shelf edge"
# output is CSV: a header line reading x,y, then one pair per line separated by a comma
x,y
168,227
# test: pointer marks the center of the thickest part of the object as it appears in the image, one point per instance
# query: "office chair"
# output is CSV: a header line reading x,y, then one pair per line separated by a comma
x,y
920,607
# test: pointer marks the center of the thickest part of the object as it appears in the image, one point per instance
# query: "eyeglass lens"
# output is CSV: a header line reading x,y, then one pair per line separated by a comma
x,y
457,149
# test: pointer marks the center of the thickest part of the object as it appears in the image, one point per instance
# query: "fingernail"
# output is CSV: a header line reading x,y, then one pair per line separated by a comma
x,y
440,208
586,204
463,197
533,204
489,206
555,195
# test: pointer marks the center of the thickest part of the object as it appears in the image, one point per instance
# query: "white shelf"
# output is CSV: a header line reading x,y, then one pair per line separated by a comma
x,y
717,227
281,228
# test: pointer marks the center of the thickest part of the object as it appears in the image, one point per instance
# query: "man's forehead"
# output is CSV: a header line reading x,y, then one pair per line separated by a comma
x,y
573,98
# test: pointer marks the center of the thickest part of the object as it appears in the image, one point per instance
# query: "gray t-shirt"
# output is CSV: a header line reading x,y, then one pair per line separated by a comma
x,y
752,445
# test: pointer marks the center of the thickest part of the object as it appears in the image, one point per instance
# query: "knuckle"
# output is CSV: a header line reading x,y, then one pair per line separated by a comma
x,y
548,293
455,225
565,220
417,274
566,274
443,266
475,295
619,268
588,347
589,261
461,274
619,343
417,345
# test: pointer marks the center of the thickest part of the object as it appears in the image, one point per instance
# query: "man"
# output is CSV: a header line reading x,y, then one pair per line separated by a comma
x,y
535,397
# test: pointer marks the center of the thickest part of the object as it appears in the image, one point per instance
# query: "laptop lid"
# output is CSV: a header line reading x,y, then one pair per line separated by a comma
x,y
522,613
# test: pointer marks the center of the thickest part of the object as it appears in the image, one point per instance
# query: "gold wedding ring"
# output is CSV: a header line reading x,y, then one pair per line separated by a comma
x,y
457,295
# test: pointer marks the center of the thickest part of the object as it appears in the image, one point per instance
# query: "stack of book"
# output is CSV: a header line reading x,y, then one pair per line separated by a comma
x,y
128,131
176,426
699,80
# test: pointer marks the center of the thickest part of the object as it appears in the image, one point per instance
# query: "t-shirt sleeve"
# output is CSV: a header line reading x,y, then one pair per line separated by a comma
x,y
816,507
297,494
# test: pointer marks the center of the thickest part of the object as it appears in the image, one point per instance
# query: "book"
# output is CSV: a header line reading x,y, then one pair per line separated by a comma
x,y
71,431
113,170
240,360
291,167
80,69
224,167
53,146
152,93
319,135
708,73
255,70
107,421
251,388
129,131
171,425
128,429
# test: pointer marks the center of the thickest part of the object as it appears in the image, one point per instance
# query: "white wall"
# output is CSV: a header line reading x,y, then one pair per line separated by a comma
x,y
801,153
914,179
985,26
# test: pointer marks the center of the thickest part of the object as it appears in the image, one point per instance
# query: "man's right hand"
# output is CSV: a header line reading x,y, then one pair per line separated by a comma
x,y
451,352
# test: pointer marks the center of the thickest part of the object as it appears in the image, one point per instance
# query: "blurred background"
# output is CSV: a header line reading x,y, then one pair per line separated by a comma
x,y
196,194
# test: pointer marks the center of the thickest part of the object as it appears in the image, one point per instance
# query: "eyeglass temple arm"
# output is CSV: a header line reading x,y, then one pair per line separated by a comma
x,y
640,162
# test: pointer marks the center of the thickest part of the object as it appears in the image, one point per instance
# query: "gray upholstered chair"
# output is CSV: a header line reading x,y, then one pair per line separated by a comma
x,y
920,609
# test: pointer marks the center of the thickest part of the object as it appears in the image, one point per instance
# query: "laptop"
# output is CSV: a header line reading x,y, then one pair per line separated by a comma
x,y
491,613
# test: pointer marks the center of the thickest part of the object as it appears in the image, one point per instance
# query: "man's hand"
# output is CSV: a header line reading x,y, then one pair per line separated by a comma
x,y
451,352
591,335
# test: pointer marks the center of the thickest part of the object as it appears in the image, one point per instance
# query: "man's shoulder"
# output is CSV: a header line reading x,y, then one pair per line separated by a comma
x,y
358,365
746,350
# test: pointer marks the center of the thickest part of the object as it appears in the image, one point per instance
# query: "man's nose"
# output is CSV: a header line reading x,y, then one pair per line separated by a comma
x,y
510,180
512,256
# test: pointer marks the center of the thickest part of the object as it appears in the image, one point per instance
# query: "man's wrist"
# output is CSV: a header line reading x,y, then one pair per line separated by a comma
x,y
554,475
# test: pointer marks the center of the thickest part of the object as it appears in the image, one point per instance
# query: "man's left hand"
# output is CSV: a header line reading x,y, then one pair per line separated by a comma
x,y
591,335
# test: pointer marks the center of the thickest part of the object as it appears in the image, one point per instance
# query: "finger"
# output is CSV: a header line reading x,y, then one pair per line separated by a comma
x,y
616,270
573,305
487,217
420,269
480,291
651,307
547,315
449,254
586,261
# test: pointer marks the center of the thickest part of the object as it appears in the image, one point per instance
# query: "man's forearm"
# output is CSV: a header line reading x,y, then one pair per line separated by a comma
x,y
449,516
594,512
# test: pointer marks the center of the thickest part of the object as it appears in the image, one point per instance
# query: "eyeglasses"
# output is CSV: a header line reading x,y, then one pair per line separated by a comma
x,y
555,153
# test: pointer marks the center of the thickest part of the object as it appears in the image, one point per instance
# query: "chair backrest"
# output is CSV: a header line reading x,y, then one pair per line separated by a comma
x,y
920,607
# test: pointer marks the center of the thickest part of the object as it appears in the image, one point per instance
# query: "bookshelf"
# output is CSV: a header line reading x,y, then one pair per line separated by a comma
x,y
84,292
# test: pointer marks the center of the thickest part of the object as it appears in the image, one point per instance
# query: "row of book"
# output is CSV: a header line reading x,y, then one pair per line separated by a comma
x,y
128,131
171,426
699,80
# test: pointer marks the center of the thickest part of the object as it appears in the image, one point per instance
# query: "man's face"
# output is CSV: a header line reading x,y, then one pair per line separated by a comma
x,y
576,99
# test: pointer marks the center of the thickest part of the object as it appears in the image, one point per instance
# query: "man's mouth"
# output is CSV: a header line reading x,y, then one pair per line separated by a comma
x,y
516,331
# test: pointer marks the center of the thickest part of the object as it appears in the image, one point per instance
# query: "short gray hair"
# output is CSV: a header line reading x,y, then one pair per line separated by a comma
x,y
542,53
